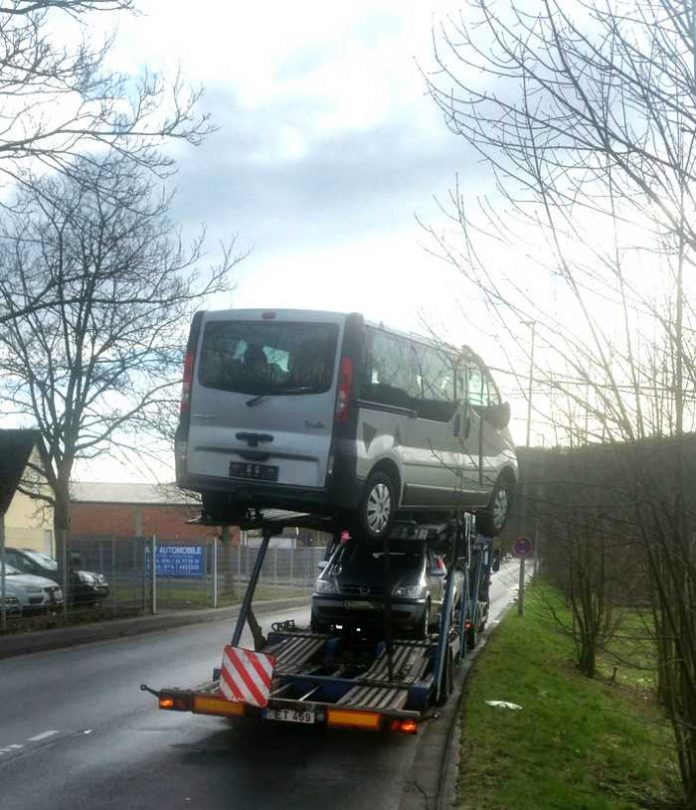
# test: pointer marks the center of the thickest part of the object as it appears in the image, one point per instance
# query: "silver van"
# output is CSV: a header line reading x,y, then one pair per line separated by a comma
x,y
325,413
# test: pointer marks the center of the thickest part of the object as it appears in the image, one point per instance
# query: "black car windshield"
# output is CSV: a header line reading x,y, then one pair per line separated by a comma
x,y
268,357
43,560
354,560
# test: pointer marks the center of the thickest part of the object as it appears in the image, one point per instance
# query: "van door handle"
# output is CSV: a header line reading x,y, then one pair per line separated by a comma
x,y
253,439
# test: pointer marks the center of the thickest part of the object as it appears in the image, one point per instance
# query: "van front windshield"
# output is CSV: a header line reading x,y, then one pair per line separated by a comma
x,y
268,357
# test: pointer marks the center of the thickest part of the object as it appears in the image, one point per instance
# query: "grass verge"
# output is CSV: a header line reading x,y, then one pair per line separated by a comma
x,y
576,743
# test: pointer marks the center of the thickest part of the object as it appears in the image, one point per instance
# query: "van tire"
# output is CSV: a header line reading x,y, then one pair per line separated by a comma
x,y
377,505
215,508
491,520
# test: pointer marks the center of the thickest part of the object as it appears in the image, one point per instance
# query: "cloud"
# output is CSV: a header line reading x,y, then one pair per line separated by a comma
x,y
267,176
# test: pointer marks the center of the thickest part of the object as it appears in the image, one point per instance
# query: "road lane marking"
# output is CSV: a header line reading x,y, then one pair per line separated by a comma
x,y
42,736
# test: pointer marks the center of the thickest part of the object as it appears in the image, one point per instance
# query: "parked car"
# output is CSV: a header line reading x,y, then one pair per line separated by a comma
x,y
324,413
13,608
35,594
86,587
349,592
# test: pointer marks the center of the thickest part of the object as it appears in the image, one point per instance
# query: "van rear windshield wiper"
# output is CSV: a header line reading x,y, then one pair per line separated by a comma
x,y
300,389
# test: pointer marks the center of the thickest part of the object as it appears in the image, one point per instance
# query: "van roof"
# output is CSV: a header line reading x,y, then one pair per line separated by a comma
x,y
430,341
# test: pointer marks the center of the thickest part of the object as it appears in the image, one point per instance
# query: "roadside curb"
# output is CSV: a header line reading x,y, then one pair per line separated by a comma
x,y
435,766
60,637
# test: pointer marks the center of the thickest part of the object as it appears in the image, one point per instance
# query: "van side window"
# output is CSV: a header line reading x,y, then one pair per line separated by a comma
x,y
493,393
437,399
389,376
477,386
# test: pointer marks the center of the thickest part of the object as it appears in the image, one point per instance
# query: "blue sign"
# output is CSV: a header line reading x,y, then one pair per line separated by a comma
x,y
179,561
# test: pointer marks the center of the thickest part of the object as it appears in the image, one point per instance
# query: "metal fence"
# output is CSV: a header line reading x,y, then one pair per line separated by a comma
x,y
186,574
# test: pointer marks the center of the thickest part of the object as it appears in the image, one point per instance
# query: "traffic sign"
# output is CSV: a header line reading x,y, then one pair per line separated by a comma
x,y
522,547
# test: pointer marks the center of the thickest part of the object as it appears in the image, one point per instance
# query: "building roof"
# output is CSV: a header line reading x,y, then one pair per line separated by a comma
x,y
16,447
138,493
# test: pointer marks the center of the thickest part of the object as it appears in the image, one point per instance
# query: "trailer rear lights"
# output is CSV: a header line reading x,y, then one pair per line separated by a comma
x,y
204,704
345,718
176,703
404,726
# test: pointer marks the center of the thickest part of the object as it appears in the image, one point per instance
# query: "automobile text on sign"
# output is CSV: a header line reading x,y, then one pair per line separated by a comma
x,y
179,561
522,547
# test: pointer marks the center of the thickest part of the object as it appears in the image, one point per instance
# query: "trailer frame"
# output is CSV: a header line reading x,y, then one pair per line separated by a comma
x,y
347,681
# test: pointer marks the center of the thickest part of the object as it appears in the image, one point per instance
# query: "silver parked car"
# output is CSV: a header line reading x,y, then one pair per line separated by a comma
x,y
325,413
34,594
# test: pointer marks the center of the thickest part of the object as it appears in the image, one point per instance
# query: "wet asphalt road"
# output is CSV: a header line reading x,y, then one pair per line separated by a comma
x,y
76,732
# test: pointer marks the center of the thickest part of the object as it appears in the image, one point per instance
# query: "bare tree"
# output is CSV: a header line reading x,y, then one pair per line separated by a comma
x,y
61,106
586,114
103,360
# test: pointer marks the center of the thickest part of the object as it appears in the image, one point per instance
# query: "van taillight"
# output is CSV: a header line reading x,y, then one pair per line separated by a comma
x,y
186,383
345,389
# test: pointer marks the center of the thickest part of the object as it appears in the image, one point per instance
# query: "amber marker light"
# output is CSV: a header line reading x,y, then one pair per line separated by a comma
x,y
343,718
203,704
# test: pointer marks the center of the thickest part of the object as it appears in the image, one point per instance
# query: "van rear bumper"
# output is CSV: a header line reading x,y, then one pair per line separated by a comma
x,y
233,495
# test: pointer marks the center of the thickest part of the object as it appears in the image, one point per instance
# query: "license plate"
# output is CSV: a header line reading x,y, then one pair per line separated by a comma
x,y
359,606
253,472
291,715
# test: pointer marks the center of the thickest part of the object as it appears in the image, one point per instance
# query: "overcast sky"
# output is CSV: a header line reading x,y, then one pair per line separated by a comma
x,y
328,148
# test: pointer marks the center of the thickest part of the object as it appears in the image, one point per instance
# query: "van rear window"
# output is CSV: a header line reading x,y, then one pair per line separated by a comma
x,y
268,357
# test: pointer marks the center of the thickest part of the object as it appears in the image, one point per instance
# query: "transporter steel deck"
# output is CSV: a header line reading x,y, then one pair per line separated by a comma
x,y
350,680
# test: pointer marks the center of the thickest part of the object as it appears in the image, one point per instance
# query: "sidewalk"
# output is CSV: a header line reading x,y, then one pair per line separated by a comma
x,y
43,640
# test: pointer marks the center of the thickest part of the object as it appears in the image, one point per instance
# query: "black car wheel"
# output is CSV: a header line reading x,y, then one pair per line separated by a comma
x,y
471,637
447,681
423,629
318,627
490,521
377,506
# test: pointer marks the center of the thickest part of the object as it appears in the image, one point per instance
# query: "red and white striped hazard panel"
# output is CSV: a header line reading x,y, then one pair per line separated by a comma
x,y
245,676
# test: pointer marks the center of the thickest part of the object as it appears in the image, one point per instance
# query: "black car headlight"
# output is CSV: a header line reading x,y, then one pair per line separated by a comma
x,y
410,591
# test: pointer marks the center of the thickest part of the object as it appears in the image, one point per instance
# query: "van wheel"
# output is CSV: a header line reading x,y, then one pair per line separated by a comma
x,y
317,626
490,521
216,509
377,506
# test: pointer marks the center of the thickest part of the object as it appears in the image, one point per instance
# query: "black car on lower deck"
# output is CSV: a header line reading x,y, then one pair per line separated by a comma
x,y
349,592
84,587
